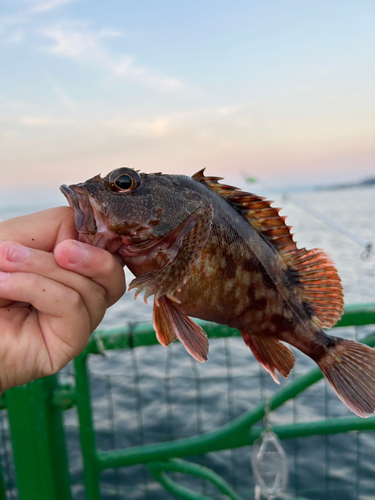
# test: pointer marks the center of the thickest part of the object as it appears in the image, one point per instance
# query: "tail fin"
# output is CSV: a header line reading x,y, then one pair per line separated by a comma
x,y
349,367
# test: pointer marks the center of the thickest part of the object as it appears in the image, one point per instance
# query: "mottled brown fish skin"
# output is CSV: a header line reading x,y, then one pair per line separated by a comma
x,y
230,285
211,251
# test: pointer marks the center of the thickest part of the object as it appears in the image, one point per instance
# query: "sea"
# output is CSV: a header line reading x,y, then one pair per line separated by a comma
x,y
155,394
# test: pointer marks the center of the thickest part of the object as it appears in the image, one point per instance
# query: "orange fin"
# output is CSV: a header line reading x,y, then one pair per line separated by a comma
x,y
349,368
163,327
170,323
256,210
172,276
312,271
319,285
271,354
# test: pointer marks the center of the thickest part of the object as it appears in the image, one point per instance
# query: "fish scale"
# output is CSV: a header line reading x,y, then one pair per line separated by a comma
x,y
214,252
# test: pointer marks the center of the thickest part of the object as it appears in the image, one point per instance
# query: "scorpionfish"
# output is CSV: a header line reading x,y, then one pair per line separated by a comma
x,y
212,251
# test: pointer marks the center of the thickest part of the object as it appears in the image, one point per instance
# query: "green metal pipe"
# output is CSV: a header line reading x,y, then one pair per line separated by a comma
x,y
38,441
357,315
64,396
235,434
175,488
325,427
198,471
232,435
86,429
320,427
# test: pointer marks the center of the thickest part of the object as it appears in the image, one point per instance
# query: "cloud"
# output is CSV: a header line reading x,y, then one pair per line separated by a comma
x,y
132,127
52,4
62,95
87,47
43,121
11,106
79,45
13,21
142,127
11,25
227,110
77,42
17,36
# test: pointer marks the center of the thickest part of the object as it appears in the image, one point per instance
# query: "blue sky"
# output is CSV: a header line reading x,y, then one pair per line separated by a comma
x,y
280,90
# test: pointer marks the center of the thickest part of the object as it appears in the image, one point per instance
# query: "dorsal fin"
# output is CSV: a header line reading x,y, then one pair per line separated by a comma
x,y
256,209
314,273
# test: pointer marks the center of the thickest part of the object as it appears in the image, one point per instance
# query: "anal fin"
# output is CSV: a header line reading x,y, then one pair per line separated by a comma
x,y
170,323
271,354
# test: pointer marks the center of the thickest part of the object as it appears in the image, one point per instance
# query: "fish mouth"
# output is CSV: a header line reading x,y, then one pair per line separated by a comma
x,y
78,199
89,220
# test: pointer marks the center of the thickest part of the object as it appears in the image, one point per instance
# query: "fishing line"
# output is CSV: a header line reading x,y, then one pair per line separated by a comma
x,y
368,246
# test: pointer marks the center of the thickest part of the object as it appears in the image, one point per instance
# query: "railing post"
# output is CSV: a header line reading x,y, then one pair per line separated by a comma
x,y
38,440
2,485
86,428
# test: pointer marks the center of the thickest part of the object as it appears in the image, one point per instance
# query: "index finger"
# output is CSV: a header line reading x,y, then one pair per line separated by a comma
x,y
95,263
41,230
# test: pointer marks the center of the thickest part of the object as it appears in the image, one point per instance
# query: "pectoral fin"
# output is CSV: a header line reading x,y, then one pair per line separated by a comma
x,y
271,354
170,323
172,276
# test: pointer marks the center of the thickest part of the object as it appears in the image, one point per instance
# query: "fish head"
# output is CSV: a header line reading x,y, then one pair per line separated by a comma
x,y
127,208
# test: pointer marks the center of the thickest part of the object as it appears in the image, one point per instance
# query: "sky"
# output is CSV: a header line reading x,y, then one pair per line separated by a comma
x,y
279,90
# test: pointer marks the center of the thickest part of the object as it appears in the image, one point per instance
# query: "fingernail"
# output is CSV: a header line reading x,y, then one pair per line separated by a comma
x,y
78,253
3,276
17,253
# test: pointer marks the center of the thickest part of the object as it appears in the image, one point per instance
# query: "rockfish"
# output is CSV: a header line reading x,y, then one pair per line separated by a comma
x,y
214,252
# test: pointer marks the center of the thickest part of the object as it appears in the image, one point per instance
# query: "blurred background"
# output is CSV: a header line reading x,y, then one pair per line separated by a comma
x,y
280,90
276,96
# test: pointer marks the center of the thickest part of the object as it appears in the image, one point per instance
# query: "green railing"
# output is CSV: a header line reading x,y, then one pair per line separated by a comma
x,y
38,439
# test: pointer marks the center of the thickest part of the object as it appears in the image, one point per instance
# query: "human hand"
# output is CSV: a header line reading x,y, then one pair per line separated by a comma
x,y
50,303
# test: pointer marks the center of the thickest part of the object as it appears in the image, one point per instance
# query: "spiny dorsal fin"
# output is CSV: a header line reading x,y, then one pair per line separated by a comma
x,y
256,209
314,273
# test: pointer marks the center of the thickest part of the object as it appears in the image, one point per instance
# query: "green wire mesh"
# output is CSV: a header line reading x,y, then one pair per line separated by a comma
x,y
154,394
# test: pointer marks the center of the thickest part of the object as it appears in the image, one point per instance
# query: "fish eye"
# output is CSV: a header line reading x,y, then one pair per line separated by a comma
x,y
123,180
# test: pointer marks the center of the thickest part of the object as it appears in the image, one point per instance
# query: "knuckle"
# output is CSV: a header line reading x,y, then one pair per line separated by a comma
x,y
36,281
100,296
109,264
74,299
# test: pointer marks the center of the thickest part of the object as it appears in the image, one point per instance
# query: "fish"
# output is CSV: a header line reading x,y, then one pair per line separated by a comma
x,y
209,250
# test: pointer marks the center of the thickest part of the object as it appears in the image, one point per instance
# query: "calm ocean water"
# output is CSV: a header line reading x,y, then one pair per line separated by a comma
x,y
155,394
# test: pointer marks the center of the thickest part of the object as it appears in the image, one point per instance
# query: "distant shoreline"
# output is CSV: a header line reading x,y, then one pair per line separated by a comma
x,y
365,183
